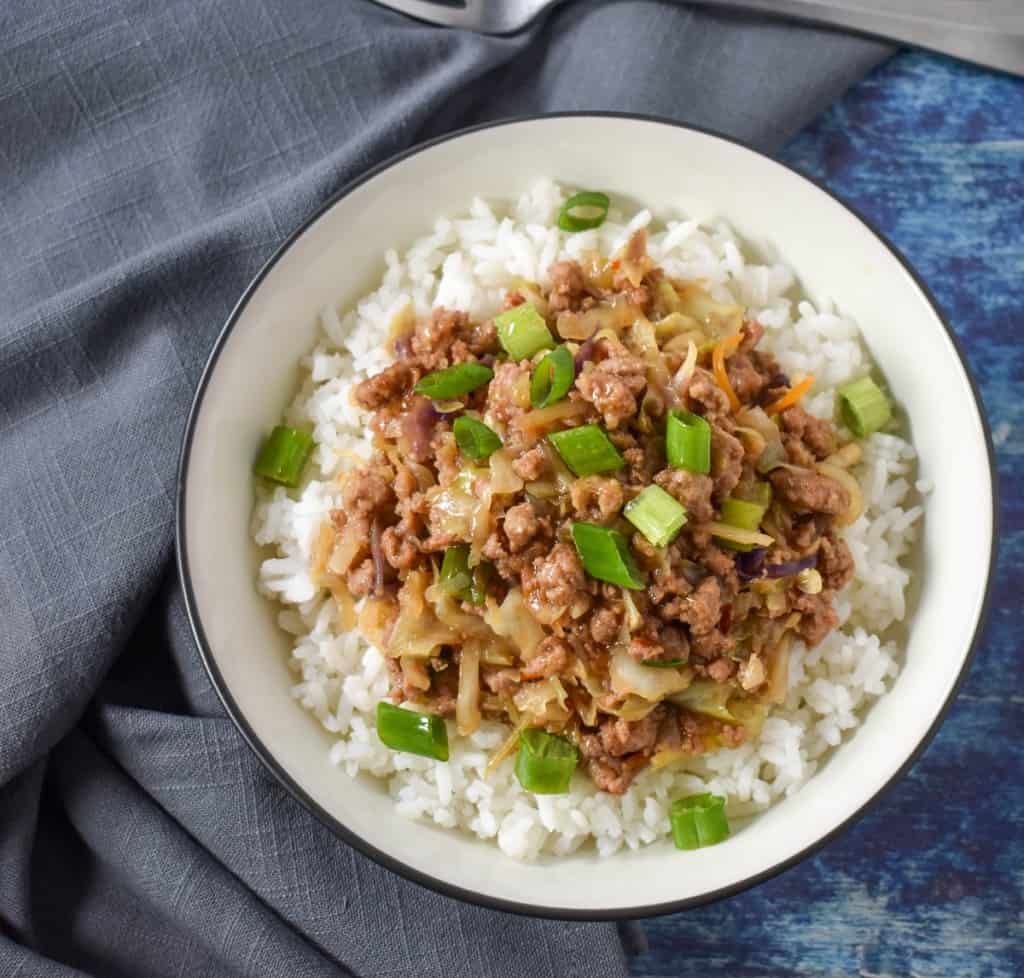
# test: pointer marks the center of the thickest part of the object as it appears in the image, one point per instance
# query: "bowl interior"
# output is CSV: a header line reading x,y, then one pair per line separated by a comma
x,y
339,256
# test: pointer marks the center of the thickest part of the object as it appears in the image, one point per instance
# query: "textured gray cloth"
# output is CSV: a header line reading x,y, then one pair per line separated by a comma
x,y
152,155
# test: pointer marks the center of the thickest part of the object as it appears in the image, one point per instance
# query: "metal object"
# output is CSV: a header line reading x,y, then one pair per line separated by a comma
x,y
987,32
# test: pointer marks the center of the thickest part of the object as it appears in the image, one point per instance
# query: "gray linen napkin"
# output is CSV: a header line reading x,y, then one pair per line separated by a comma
x,y
152,155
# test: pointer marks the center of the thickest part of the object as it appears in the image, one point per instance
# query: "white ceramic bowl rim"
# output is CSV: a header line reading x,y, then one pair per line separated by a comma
x,y
384,858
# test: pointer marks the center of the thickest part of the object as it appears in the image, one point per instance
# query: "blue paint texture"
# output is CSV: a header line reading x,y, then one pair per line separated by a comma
x,y
929,884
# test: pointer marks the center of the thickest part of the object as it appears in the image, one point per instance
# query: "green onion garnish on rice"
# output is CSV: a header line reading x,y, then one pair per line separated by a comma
x,y
583,211
864,407
545,762
411,732
284,455
698,821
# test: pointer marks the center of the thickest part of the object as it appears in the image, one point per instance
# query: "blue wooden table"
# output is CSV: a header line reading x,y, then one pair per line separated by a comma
x,y
930,884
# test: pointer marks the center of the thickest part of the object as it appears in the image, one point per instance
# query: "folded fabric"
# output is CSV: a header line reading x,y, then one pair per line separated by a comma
x,y
152,155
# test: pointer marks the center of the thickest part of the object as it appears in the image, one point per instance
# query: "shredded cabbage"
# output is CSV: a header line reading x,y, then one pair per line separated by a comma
x,y
629,676
512,620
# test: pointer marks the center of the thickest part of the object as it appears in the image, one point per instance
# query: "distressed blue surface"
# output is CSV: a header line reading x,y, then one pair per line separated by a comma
x,y
930,884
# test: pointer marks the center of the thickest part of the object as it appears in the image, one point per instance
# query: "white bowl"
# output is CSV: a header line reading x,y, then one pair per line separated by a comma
x,y
338,254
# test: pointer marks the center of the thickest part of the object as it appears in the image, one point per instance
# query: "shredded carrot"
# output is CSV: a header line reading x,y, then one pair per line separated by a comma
x,y
725,348
791,397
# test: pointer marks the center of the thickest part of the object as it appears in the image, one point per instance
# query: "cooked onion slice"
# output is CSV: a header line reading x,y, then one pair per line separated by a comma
x,y
851,485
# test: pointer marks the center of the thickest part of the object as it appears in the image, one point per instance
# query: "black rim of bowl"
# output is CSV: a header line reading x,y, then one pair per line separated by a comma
x,y
383,858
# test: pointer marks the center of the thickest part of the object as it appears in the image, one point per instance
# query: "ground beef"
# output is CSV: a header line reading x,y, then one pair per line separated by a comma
x,y
692,490
444,689
668,644
390,384
674,642
500,680
552,656
434,336
483,339
711,645
401,550
703,607
805,489
508,395
835,563
553,580
619,737
805,531
747,382
510,566
531,465
596,498
612,386
521,526
726,461
568,286
819,436
604,625
752,332
797,453
614,776
721,669
361,578
644,649
401,690
368,500
817,616
406,483
707,398
446,457
719,562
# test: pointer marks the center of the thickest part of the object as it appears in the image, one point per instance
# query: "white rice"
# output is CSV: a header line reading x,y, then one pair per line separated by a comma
x,y
467,264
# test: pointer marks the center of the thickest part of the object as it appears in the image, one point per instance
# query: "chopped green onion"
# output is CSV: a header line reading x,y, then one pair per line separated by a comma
x,y
688,442
452,382
698,821
744,515
586,450
605,555
474,438
522,331
483,573
663,663
589,201
284,455
456,577
413,733
865,408
545,763
656,515
552,377
462,581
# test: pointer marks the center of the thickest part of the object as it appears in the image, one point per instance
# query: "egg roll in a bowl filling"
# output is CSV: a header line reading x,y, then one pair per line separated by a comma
x,y
588,528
